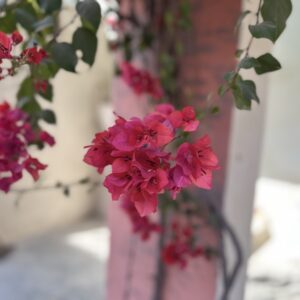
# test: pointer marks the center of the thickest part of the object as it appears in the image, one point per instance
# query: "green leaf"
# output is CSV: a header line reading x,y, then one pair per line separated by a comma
x,y
265,29
169,19
229,76
239,52
49,6
248,89
184,20
8,22
26,17
277,12
222,90
147,39
244,91
30,105
45,23
268,63
127,47
48,116
215,110
90,13
46,69
248,63
86,41
26,89
65,56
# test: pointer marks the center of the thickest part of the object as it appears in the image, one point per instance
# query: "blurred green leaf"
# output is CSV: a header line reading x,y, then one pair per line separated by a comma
x,y
223,89
8,22
277,12
239,52
48,116
248,63
31,106
65,56
26,17
215,110
46,69
86,41
26,89
45,23
244,91
49,6
266,30
90,13
267,63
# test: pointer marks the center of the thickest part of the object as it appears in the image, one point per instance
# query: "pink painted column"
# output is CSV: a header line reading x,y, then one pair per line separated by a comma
x,y
209,54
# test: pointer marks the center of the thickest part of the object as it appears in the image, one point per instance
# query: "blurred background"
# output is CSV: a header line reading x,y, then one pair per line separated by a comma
x,y
56,247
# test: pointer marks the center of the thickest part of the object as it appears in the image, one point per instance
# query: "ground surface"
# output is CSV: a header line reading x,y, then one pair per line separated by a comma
x,y
67,265
274,270
70,264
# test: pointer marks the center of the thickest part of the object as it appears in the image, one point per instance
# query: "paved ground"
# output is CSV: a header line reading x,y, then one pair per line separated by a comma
x,y
68,265
274,270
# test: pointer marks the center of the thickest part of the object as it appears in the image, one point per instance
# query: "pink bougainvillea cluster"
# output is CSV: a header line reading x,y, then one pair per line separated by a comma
x,y
32,55
182,244
142,167
141,81
141,164
142,226
16,134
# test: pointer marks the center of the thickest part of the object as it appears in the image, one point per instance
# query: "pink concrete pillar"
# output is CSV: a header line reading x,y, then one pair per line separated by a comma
x,y
209,54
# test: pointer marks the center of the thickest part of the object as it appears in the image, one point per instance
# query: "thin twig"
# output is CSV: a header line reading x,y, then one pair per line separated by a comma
x,y
63,28
56,186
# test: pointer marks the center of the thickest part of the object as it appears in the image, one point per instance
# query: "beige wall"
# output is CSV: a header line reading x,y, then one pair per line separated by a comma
x,y
77,99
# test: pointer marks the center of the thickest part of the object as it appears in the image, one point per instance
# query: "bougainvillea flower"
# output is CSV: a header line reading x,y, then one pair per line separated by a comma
x,y
197,160
141,81
99,154
144,202
177,181
47,138
34,55
141,225
40,86
189,121
136,133
16,37
16,135
33,166
117,184
174,253
141,168
5,46
183,244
